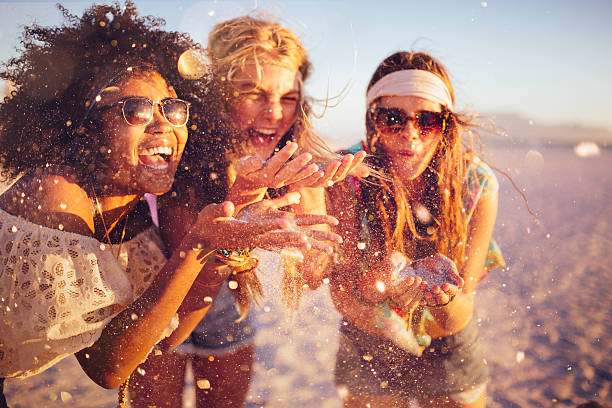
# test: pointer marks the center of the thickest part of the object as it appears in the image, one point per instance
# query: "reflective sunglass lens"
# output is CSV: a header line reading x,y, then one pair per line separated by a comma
x,y
429,120
394,120
137,111
176,111
390,120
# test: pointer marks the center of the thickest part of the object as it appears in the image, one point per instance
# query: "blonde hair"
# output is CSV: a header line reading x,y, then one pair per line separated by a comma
x,y
240,41
232,45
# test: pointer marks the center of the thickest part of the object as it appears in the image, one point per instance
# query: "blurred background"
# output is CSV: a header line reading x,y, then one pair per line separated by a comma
x,y
541,71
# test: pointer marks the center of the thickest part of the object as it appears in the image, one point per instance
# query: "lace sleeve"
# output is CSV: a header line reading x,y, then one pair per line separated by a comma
x,y
57,292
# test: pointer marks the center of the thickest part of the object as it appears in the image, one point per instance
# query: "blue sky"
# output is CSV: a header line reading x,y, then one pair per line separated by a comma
x,y
549,61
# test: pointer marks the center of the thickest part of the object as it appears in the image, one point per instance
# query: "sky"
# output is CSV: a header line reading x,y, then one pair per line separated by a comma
x,y
549,61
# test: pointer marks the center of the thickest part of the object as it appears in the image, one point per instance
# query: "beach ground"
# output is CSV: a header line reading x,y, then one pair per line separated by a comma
x,y
545,319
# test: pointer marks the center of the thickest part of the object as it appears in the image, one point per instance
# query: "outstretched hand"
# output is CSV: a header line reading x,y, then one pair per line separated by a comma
x,y
253,176
335,171
383,281
264,225
440,293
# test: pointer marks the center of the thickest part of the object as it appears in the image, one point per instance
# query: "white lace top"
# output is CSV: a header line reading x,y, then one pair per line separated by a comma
x,y
58,290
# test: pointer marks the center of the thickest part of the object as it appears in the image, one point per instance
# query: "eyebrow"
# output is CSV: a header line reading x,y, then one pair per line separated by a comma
x,y
253,86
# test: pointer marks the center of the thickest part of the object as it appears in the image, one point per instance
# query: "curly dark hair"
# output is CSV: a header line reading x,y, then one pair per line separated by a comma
x,y
46,119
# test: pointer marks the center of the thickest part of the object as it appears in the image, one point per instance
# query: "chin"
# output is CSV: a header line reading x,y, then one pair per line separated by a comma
x,y
157,184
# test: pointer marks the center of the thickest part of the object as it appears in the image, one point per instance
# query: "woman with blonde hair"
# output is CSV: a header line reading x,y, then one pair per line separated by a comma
x,y
256,140
98,118
422,233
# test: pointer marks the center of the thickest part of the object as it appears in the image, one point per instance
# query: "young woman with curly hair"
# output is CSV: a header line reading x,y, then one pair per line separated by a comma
x,y
407,335
257,73
97,119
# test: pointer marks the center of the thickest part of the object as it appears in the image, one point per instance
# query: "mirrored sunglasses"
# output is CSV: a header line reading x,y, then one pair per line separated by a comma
x,y
138,110
394,120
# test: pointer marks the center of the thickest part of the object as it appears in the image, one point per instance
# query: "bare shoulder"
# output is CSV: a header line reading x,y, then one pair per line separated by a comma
x,y
52,198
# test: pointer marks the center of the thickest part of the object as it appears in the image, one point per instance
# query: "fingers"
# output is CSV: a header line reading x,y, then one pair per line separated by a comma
x,y
216,211
328,174
302,220
274,163
319,246
416,298
356,168
323,235
308,172
285,200
406,285
248,164
456,278
436,297
314,180
295,169
282,239
343,169
413,295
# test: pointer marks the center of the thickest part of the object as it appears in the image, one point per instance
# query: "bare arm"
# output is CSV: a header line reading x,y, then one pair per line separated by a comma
x,y
129,337
175,220
453,317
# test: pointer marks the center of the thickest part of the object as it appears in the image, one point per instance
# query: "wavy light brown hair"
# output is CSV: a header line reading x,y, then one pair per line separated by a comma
x,y
390,205
235,43
232,45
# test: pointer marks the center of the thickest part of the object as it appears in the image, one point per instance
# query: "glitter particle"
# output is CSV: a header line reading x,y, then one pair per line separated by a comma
x,y
65,396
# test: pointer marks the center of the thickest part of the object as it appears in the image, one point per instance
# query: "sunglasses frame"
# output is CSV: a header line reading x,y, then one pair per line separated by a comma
x,y
161,103
444,114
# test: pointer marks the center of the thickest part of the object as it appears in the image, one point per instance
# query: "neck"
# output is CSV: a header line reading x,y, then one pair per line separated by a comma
x,y
110,204
110,208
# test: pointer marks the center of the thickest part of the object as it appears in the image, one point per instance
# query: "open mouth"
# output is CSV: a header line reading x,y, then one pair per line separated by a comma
x,y
261,137
156,159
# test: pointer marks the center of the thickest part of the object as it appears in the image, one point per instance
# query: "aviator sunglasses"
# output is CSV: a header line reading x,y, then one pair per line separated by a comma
x,y
393,121
138,110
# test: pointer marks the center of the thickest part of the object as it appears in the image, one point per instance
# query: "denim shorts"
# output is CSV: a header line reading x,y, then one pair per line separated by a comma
x,y
219,332
368,364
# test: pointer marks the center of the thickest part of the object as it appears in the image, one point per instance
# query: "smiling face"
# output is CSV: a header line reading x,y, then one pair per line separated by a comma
x,y
139,159
410,150
264,110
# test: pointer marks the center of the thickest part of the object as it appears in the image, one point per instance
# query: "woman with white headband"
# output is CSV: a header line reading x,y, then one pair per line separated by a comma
x,y
422,235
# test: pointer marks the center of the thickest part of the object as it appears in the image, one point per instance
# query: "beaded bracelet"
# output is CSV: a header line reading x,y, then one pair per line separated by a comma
x,y
240,260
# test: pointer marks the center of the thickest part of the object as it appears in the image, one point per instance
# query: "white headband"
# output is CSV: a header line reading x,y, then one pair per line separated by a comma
x,y
412,82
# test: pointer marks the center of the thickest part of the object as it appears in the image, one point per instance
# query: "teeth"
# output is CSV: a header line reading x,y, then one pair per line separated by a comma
x,y
265,131
162,166
156,150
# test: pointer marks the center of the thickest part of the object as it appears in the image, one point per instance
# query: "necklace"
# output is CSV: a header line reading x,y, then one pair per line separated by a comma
x,y
123,388
106,230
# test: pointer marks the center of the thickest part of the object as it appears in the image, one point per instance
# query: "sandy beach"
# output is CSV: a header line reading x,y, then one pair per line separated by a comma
x,y
545,319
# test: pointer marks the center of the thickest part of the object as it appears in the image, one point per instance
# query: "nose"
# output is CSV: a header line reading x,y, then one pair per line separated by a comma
x,y
273,110
410,132
159,124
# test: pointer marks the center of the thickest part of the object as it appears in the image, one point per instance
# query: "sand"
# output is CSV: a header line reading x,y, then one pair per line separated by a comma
x,y
545,320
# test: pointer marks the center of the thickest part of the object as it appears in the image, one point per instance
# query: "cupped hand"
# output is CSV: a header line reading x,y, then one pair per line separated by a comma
x,y
439,293
335,171
264,225
293,231
252,174
376,283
